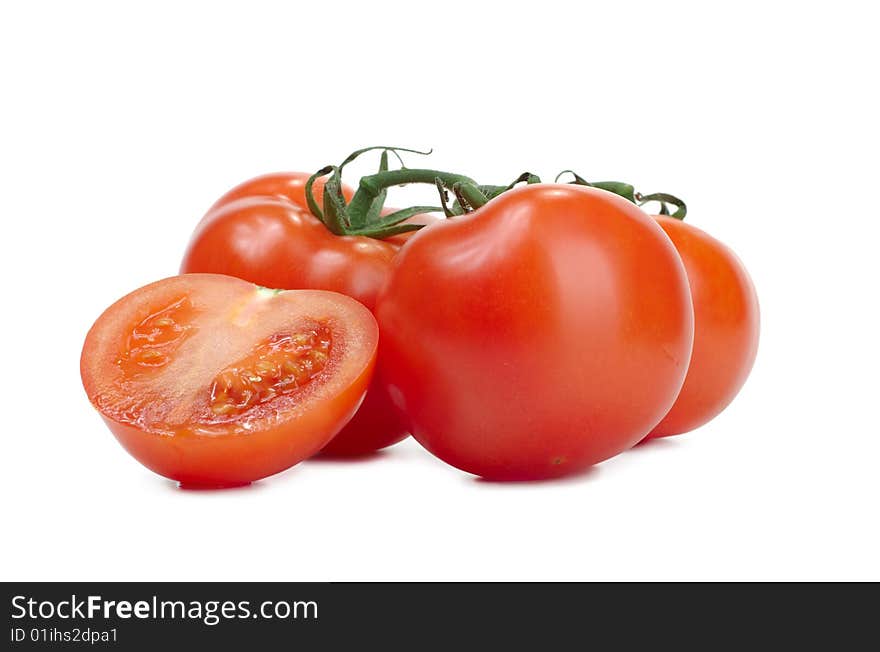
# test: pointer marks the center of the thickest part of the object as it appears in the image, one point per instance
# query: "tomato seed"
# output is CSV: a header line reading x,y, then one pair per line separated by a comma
x,y
280,365
152,340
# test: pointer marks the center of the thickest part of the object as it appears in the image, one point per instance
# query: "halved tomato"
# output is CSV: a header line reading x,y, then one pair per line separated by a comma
x,y
213,381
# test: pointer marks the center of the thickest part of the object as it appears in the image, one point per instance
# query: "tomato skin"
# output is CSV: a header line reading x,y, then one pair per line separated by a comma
x,y
545,332
280,185
426,219
261,232
257,443
275,243
726,328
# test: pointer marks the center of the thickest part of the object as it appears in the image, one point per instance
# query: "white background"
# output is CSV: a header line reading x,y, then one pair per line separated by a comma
x,y
120,125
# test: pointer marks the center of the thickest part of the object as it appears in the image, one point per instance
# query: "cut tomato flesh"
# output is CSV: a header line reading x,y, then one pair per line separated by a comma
x,y
153,340
282,365
208,379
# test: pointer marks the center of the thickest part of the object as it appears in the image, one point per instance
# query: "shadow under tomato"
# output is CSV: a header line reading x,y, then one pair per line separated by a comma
x,y
587,475
360,458
655,444
209,489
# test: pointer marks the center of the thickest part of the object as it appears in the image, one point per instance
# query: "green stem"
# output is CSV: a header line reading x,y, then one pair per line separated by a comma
x,y
310,195
387,148
363,214
620,188
625,190
333,202
444,198
469,196
370,186
665,198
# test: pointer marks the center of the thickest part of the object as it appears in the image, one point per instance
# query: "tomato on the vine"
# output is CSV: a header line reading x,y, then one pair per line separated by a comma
x,y
262,232
726,314
545,332
212,381
281,185
726,327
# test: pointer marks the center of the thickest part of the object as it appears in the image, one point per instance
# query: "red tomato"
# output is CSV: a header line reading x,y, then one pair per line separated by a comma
x,y
261,231
271,239
281,185
726,325
212,381
545,332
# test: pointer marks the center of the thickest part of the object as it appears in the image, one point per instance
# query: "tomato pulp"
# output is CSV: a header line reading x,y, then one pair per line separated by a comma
x,y
726,327
541,334
212,381
261,231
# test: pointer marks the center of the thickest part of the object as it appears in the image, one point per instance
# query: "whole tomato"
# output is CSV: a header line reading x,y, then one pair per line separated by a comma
x,y
726,326
262,232
545,332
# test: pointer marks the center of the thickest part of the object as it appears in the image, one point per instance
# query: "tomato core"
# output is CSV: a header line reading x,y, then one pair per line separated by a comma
x,y
281,365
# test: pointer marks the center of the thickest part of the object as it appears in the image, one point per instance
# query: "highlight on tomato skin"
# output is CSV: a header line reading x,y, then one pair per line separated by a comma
x,y
726,328
212,381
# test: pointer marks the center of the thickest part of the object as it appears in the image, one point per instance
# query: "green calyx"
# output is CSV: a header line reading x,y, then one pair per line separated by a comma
x,y
665,200
628,192
363,214
470,197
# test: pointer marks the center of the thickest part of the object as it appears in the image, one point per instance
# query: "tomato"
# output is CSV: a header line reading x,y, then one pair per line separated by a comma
x,y
542,333
212,381
726,325
273,241
281,185
261,232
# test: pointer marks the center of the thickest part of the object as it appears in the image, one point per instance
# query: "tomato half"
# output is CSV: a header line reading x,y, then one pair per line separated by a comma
x,y
261,232
545,332
726,327
213,381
